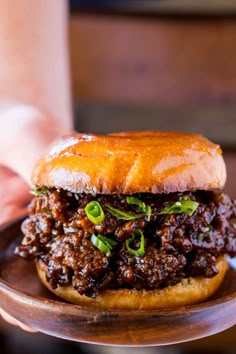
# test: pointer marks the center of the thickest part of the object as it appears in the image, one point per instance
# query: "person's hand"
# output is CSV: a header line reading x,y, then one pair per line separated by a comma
x,y
24,135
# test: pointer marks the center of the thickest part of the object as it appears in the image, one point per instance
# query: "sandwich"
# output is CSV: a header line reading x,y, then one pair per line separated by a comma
x,y
134,220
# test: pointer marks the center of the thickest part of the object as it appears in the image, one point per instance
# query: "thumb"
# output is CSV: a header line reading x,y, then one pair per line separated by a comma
x,y
8,318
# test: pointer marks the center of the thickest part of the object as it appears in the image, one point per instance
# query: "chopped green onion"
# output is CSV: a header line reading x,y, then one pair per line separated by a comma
x,y
108,241
39,190
201,237
103,243
136,201
181,206
100,245
94,212
148,212
141,205
122,215
141,250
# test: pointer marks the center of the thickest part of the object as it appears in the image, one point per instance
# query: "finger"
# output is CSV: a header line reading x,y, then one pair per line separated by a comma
x,y
13,187
11,212
8,318
14,194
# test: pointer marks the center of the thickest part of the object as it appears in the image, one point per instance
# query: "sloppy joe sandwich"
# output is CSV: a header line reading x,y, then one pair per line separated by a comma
x,y
130,220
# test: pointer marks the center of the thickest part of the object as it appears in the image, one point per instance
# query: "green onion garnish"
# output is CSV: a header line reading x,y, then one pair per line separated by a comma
x,y
140,251
122,215
38,190
202,236
94,212
181,206
103,243
141,206
108,241
148,212
136,201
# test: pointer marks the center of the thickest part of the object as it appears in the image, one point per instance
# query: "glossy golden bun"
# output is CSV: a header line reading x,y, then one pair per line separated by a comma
x,y
187,292
156,162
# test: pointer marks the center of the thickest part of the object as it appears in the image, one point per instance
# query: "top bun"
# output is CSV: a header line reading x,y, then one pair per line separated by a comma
x,y
135,162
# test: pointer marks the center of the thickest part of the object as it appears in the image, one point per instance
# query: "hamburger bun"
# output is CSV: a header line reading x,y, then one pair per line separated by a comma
x,y
188,291
138,162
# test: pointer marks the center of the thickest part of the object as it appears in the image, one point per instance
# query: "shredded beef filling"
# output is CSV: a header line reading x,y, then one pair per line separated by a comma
x,y
176,245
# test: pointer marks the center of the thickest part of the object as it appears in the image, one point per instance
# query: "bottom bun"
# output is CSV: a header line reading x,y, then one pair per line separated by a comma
x,y
187,292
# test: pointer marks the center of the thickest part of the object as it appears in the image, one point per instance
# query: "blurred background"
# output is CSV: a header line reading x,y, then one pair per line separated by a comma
x,y
150,65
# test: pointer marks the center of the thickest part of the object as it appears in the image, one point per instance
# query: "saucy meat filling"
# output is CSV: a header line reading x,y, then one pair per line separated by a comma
x,y
141,241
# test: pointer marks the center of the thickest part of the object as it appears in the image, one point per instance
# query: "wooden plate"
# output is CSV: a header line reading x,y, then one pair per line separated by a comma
x,y
25,298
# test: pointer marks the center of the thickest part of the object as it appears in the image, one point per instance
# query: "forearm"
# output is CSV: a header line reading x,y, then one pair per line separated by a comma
x,y
35,105
34,56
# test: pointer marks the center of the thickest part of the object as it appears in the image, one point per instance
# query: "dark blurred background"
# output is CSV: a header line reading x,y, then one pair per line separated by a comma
x,y
150,65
